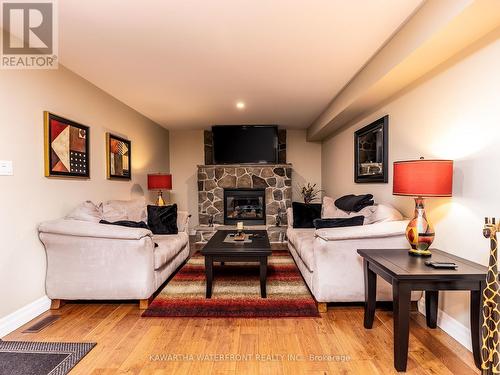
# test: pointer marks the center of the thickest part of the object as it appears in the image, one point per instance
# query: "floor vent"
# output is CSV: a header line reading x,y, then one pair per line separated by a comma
x,y
44,323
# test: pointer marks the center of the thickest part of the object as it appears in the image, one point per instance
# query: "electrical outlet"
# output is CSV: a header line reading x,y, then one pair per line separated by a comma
x,y
6,168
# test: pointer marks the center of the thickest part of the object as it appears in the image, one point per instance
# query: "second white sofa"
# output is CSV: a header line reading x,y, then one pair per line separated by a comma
x,y
329,262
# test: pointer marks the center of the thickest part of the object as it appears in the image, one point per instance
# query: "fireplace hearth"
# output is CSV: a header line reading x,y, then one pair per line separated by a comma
x,y
246,205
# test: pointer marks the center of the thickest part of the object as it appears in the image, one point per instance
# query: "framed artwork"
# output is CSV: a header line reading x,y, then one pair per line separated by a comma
x,y
371,152
118,157
66,145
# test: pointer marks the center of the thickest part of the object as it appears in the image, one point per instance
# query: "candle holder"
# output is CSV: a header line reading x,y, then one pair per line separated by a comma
x,y
240,236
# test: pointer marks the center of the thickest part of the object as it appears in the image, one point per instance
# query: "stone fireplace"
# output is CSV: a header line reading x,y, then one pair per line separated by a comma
x,y
272,182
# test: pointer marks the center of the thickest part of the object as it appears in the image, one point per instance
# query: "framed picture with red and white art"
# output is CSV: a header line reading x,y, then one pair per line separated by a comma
x,y
118,157
66,145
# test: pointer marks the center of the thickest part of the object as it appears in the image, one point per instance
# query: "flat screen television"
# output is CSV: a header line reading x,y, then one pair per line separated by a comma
x,y
245,144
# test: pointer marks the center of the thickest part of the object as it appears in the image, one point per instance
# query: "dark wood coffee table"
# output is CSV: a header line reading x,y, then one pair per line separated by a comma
x,y
407,273
216,250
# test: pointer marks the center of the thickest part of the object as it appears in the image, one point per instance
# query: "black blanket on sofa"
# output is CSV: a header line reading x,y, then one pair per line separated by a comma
x,y
354,203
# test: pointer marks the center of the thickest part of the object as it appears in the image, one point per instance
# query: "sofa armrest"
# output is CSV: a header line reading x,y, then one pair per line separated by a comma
x,y
378,230
289,217
183,221
89,229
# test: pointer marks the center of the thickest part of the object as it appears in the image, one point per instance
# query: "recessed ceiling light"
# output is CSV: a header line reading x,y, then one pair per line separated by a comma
x,y
240,105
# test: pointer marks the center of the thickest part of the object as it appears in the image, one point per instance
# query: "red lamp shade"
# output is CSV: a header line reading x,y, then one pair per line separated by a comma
x,y
159,181
423,178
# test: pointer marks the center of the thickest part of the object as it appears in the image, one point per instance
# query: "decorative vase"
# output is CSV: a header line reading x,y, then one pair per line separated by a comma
x,y
420,232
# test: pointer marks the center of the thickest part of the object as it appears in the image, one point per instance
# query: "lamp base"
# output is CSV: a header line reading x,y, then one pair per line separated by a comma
x,y
160,201
419,253
420,232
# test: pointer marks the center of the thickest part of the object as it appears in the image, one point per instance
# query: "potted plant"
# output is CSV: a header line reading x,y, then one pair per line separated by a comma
x,y
310,193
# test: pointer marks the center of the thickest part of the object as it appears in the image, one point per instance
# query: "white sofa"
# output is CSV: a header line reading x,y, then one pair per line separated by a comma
x,y
329,262
91,261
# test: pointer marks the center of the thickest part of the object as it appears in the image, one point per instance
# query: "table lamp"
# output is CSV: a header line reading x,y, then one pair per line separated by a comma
x,y
419,179
160,181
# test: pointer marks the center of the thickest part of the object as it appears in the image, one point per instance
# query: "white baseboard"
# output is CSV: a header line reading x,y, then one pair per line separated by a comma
x,y
451,326
22,316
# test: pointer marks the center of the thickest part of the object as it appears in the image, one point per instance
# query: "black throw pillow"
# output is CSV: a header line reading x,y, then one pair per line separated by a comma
x,y
126,223
354,203
304,214
163,219
339,222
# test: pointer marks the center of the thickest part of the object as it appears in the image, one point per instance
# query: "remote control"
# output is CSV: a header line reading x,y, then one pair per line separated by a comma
x,y
443,265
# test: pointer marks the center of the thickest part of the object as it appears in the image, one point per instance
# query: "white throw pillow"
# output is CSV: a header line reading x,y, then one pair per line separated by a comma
x,y
328,210
367,212
86,211
133,210
384,213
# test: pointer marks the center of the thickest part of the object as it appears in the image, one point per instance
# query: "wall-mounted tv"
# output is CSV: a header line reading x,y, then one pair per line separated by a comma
x,y
245,144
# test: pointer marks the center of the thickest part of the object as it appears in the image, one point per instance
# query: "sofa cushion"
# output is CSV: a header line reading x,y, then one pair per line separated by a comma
x,y
86,211
383,213
328,210
303,242
163,219
169,245
304,214
133,210
377,230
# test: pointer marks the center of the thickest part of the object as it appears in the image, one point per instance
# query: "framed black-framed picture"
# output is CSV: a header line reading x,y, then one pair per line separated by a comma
x,y
66,146
118,157
371,152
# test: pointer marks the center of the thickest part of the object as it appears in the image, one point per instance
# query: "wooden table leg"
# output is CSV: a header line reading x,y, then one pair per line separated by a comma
x,y
263,276
209,274
431,307
401,299
476,321
370,295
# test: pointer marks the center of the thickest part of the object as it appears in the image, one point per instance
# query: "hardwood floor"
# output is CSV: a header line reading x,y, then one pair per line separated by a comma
x,y
129,344
335,343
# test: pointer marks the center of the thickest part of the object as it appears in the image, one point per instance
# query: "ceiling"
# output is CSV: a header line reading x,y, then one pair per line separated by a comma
x,y
185,64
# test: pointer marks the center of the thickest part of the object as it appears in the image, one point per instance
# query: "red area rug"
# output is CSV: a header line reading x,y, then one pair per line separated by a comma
x,y
236,291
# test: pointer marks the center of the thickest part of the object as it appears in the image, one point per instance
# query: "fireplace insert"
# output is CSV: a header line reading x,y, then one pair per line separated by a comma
x,y
246,205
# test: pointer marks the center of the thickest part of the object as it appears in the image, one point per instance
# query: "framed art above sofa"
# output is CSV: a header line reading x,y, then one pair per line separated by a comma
x,y
66,145
371,152
118,157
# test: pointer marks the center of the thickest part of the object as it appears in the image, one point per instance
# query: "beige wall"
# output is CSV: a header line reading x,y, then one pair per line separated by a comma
x,y
186,152
28,197
454,114
306,160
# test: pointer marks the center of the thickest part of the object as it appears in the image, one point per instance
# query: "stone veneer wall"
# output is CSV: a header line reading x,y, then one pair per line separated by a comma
x,y
275,179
